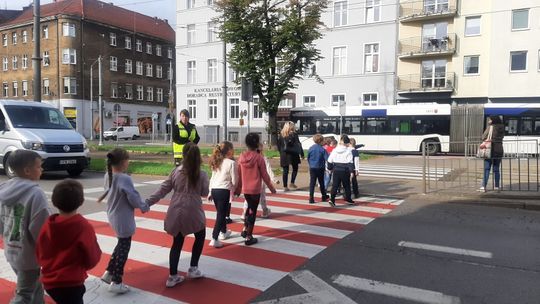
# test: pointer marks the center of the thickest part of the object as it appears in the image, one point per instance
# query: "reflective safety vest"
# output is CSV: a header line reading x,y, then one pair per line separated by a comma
x,y
177,149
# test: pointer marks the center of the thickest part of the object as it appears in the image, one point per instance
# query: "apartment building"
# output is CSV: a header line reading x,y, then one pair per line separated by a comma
x,y
137,54
358,68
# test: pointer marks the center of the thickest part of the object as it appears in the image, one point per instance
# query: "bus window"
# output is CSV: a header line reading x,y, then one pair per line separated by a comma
x,y
375,126
400,126
352,125
511,127
526,126
537,126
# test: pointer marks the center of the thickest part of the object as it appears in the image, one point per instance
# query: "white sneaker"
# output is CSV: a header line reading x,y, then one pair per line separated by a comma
x,y
497,189
481,189
216,243
107,277
173,280
118,288
224,236
266,213
194,273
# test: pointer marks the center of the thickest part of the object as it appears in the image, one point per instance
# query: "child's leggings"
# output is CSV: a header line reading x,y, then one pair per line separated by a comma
x,y
118,259
176,248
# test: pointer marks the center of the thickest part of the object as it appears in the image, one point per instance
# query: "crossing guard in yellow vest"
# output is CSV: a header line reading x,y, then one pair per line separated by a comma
x,y
182,133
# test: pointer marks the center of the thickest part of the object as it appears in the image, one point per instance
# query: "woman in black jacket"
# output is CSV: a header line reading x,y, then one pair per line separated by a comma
x,y
497,152
290,151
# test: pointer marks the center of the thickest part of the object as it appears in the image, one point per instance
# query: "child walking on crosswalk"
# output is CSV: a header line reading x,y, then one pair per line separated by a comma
x,y
185,214
121,204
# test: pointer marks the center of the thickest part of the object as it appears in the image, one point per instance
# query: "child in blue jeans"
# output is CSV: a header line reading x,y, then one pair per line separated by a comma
x,y
317,157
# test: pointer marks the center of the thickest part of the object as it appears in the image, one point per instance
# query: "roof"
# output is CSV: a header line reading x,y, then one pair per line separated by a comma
x,y
6,15
101,12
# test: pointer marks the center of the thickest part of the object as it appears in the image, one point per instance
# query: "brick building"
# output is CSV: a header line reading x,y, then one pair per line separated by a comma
x,y
137,54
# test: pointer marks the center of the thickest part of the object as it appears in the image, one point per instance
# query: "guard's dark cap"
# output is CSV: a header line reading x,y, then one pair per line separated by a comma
x,y
185,112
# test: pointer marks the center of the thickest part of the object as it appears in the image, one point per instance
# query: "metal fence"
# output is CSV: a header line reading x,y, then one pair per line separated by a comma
x,y
519,169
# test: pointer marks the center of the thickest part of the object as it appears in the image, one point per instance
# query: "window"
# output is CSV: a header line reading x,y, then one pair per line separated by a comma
x,y
212,70
24,63
15,62
158,50
472,26
149,48
15,91
159,92
112,39
520,19
538,60
212,29
370,99
435,6
234,108
340,13
5,64
309,101
140,92
190,3
24,36
114,90
233,136
435,37
518,61
210,2
113,64
127,43
129,66
339,63
4,39
212,108
337,100
286,103
159,71
471,65
24,88
139,45
46,58
192,107
257,110
191,71
5,89
45,32
129,92
434,74
233,76
68,29
149,70
14,38
190,34
371,58
69,56
150,94
139,68
70,85
169,73
46,87
169,53
373,11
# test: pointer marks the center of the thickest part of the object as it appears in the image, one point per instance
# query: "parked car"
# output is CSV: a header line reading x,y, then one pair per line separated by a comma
x,y
42,128
124,132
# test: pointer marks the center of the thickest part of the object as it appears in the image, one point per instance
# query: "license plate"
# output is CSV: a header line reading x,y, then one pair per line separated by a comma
x,y
68,161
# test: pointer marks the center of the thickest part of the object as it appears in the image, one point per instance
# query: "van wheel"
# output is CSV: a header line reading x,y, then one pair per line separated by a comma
x,y
9,171
432,146
75,172
134,137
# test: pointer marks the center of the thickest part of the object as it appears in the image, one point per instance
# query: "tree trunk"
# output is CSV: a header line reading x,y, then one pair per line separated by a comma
x,y
273,128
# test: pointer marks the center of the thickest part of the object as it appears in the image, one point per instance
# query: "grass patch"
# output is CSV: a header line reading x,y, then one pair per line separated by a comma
x,y
141,167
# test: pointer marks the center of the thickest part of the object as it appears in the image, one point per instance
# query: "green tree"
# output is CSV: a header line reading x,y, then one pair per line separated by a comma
x,y
273,43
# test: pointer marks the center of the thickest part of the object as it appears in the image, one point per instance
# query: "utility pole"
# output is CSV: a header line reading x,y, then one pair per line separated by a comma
x,y
36,59
91,102
100,92
224,90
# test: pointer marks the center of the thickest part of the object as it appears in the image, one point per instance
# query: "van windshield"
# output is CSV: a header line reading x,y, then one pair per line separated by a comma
x,y
112,129
36,117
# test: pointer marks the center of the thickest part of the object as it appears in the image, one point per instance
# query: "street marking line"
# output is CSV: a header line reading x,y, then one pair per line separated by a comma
x,y
445,249
313,284
155,182
321,297
396,291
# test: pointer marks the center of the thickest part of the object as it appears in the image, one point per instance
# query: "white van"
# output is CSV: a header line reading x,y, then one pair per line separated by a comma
x,y
41,128
124,132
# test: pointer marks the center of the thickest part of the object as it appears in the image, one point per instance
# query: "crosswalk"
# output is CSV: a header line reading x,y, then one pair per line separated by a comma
x,y
295,232
401,172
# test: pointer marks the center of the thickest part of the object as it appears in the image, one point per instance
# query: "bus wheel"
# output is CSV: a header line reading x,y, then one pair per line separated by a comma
x,y
432,146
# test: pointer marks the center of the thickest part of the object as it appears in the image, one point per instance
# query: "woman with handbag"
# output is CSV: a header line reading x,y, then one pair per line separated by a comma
x,y
492,150
290,151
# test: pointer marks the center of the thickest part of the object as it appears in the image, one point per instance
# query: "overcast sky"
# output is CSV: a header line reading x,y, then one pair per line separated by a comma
x,y
164,9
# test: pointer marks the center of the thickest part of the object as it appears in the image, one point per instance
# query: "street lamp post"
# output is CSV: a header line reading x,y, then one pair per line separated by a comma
x,y
224,90
100,92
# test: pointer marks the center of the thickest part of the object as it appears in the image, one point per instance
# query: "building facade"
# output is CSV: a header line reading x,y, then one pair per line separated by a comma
x,y
358,68
137,60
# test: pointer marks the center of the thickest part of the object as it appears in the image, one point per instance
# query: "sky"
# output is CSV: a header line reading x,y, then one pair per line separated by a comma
x,y
164,9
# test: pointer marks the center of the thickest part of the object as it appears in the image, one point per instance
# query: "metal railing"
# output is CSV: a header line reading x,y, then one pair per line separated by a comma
x,y
444,82
519,169
427,46
416,10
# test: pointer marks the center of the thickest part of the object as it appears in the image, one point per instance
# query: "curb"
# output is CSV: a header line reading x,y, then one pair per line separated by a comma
x,y
511,202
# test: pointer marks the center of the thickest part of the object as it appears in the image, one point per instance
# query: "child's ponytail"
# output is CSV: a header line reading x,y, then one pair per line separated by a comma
x,y
219,154
114,158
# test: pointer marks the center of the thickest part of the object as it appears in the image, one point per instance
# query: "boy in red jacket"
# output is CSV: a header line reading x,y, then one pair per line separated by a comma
x,y
67,246
251,172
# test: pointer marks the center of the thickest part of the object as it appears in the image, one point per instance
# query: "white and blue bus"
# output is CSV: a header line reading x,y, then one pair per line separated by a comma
x,y
405,127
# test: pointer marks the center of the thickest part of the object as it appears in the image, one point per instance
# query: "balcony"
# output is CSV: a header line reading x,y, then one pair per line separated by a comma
x,y
414,10
435,83
422,47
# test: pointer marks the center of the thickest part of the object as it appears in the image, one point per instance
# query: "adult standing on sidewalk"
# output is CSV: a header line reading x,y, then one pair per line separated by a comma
x,y
183,133
290,151
495,126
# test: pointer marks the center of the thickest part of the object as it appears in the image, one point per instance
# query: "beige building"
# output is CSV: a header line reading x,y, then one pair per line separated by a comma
x,y
469,51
